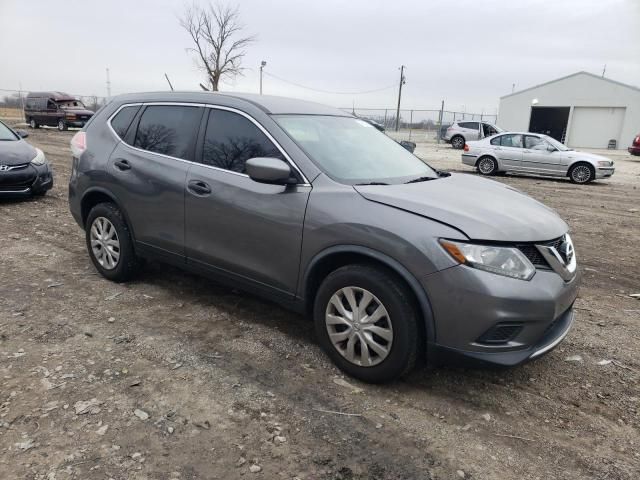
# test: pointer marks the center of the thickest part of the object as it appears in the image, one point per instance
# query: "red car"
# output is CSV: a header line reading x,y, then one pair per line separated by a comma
x,y
634,149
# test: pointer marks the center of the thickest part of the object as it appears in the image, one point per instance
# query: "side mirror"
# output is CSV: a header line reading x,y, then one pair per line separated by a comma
x,y
269,170
408,145
22,133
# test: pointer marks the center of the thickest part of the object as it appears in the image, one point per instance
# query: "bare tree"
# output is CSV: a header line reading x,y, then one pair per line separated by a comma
x,y
215,32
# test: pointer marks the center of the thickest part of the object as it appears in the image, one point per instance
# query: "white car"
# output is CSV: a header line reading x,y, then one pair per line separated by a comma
x,y
523,152
462,131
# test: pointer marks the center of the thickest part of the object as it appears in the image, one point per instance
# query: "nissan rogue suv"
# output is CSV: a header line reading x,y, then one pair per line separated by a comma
x,y
310,207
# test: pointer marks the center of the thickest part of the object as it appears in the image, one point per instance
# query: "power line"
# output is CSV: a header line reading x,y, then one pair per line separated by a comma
x,y
326,91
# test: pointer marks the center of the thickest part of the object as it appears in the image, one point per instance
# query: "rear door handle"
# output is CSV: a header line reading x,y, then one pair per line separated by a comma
x,y
199,187
122,165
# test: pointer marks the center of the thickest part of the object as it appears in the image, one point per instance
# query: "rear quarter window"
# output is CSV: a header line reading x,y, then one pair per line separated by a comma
x,y
122,120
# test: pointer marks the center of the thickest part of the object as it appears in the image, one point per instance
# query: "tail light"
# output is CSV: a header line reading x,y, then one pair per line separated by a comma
x,y
466,147
78,144
636,141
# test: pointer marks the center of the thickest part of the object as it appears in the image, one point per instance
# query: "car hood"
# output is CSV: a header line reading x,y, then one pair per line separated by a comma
x,y
16,152
482,209
78,111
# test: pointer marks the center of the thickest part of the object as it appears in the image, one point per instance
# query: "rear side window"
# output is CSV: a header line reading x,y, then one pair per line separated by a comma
x,y
511,140
169,130
120,123
471,125
496,141
231,140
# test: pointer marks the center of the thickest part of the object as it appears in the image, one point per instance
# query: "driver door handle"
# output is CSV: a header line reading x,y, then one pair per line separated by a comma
x,y
199,187
122,165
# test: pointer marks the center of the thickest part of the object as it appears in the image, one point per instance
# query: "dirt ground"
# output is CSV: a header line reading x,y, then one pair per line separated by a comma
x,y
174,377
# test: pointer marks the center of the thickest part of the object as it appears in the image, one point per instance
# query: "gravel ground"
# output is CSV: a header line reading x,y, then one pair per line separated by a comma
x,y
174,377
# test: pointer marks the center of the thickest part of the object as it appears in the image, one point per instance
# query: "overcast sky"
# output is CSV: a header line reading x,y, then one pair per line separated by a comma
x,y
467,52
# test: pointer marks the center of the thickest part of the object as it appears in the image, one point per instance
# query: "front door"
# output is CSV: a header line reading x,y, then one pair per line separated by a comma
x,y
235,226
149,175
538,157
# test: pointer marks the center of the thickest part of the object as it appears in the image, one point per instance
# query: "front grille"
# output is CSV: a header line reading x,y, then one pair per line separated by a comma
x,y
533,254
18,178
500,333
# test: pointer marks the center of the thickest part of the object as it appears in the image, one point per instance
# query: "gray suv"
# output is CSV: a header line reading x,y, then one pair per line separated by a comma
x,y
317,210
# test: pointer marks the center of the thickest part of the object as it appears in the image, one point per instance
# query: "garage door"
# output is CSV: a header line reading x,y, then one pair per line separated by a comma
x,y
593,127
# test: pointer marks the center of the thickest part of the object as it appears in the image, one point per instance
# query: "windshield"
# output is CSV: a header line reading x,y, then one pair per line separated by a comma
x,y
556,144
71,104
6,134
353,151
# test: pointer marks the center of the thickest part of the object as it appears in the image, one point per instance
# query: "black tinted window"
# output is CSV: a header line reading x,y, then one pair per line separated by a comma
x,y
168,130
231,140
471,125
122,120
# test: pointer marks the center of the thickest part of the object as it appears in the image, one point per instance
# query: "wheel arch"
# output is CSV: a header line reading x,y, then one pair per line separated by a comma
x,y
487,155
96,195
337,256
578,162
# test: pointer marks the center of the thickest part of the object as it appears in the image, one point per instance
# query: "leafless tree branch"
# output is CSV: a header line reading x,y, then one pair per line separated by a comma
x,y
214,31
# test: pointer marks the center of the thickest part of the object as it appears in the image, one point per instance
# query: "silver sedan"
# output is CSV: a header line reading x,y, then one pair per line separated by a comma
x,y
521,152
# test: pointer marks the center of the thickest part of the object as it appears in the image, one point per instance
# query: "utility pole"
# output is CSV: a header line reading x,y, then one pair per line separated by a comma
x,y
108,86
513,87
262,65
440,121
604,70
402,82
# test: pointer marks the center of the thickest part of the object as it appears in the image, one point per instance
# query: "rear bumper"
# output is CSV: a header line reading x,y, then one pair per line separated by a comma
x,y
469,159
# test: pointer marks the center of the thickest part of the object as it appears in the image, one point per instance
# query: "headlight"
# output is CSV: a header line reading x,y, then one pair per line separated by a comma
x,y
507,261
605,163
39,159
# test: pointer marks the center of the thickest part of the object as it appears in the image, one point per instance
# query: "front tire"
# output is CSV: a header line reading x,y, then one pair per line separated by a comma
x,y
367,322
582,173
457,142
62,125
487,166
110,244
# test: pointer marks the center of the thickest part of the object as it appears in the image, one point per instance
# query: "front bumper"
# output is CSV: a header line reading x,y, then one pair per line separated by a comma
x,y
605,172
24,182
468,304
633,150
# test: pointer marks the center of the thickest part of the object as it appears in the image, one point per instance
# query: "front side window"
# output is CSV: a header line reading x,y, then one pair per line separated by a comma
x,y
169,130
352,151
231,139
120,123
512,140
534,143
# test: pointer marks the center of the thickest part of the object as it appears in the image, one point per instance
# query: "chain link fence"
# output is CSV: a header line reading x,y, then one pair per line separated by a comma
x,y
418,124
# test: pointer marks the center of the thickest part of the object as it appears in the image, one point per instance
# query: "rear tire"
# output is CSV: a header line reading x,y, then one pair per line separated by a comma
x,y
582,173
457,142
106,228
62,125
487,166
383,332
33,124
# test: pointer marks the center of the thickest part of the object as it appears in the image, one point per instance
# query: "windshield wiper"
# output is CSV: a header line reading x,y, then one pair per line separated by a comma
x,y
371,183
420,179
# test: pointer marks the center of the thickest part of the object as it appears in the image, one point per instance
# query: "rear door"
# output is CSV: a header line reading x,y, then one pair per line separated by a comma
x,y
471,130
537,158
508,150
148,172
236,227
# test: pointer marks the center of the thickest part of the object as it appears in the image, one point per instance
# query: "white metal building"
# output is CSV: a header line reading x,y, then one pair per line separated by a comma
x,y
580,110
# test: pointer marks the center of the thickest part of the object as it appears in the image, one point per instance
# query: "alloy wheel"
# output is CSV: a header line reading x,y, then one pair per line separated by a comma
x,y
457,143
359,326
486,166
105,244
581,174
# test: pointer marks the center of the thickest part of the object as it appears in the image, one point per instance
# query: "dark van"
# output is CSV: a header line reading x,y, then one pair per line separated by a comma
x,y
55,109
